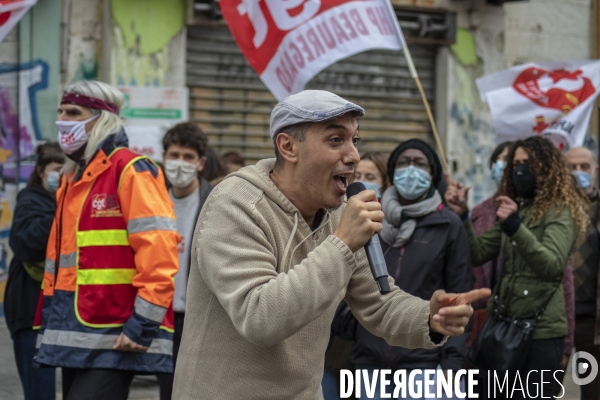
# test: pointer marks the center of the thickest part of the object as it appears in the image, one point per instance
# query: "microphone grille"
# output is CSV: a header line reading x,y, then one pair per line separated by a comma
x,y
354,188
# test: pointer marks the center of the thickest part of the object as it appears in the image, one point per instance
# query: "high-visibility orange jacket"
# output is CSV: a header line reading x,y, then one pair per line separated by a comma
x,y
111,258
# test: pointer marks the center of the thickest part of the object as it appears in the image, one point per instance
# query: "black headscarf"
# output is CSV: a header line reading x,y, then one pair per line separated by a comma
x,y
432,157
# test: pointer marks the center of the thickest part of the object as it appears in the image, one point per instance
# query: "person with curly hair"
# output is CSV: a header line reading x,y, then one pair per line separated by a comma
x,y
540,211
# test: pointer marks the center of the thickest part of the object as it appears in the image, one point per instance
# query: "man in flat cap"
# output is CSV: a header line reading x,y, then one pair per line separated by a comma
x,y
276,248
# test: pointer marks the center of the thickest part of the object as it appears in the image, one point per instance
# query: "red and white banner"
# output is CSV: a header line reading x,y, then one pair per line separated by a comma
x,y
554,99
11,11
289,41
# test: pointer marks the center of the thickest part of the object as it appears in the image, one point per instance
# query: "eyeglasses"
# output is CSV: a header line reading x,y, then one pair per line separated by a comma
x,y
418,163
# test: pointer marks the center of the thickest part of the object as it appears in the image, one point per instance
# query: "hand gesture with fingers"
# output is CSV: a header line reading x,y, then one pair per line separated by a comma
x,y
457,196
449,312
506,207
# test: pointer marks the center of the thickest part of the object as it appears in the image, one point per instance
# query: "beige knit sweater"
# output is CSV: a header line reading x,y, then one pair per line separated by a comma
x,y
262,293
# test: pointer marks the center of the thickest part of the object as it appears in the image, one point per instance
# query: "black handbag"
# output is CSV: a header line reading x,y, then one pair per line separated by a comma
x,y
503,342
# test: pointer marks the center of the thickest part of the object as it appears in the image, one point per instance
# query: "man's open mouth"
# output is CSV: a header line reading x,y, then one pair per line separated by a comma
x,y
342,182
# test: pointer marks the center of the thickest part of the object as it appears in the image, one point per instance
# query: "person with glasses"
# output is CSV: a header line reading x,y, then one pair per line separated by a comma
x,y
426,249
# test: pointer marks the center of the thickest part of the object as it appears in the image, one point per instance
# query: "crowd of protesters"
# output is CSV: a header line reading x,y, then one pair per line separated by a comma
x,y
534,234
110,237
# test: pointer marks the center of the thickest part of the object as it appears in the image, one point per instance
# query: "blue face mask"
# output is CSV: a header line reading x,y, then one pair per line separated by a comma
x,y
498,171
411,182
584,179
372,186
53,181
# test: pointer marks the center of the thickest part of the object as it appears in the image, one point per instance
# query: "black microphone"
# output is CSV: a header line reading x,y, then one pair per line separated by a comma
x,y
373,248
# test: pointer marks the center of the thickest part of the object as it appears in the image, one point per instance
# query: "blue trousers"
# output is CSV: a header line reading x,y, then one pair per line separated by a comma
x,y
38,383
329,385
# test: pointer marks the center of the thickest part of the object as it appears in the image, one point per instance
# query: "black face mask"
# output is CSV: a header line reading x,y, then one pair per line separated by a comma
x,y
524,181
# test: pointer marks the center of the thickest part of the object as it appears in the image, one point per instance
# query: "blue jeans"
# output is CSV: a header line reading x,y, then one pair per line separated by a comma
x,y
38,383
419,380
329,384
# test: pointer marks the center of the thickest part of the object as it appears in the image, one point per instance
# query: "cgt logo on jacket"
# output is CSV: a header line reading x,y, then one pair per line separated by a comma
x,y
104,205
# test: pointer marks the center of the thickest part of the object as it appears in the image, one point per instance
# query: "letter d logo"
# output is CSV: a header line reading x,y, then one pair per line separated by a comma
x,y
582,368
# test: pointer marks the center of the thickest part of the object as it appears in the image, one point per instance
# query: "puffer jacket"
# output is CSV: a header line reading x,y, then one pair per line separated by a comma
x,y
435,257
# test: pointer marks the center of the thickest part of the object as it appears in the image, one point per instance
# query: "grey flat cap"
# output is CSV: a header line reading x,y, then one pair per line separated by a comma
x,y
310,106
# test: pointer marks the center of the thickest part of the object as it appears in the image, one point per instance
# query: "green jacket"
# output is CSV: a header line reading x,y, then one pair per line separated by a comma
x,y
536,259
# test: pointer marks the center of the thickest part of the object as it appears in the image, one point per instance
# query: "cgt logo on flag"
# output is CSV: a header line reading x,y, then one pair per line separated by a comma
x,y
289,42
11,11
554,99
558,89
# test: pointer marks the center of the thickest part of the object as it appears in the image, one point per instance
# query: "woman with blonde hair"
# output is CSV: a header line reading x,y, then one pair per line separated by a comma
x,y
112,253
371,170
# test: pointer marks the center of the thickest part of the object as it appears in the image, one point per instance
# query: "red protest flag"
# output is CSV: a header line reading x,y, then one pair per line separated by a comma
x,y
289,42
11,11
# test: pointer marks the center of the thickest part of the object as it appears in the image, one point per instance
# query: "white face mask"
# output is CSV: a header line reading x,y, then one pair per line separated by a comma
x,y
72,134
180,173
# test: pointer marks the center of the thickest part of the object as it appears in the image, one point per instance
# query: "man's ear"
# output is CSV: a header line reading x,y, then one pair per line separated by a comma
x,y
288,147
201,164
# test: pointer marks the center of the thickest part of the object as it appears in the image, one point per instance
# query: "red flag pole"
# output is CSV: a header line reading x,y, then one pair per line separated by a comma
x,y
415,76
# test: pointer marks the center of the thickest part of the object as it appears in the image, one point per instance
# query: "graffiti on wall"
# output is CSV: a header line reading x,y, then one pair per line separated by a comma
x,y
87,70
470,128
140,52
19,134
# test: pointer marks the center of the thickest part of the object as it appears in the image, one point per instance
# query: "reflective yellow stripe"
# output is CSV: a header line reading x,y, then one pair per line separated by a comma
x,y
108,237
109,276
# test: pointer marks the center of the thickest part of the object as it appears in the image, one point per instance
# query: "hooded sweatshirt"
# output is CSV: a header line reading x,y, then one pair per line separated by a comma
x,y
262,293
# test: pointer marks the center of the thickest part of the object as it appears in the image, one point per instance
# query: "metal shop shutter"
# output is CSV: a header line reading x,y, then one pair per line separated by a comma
x,y
232,105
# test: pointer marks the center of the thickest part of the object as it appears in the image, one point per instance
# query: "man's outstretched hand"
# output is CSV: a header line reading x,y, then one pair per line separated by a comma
x,y
449,313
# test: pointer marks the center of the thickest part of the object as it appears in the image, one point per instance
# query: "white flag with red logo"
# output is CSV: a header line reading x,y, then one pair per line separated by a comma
x,y
11,11
554,99
289,41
